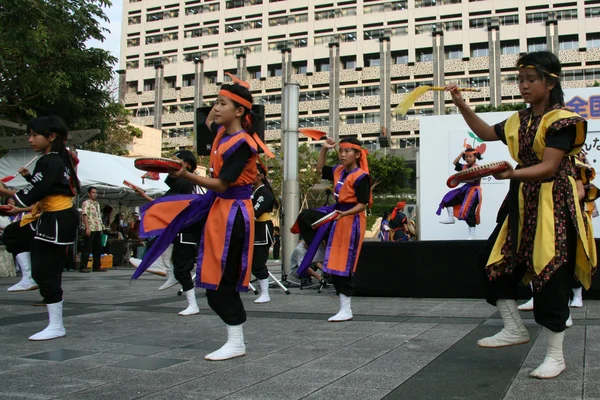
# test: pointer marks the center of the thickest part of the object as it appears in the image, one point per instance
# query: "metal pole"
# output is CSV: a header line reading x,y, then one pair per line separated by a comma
x,y
291,187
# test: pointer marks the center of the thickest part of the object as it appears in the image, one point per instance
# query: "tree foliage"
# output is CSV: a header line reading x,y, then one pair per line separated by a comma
x,y
46,68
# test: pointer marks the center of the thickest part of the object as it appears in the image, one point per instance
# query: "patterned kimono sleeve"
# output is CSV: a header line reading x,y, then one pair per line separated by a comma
x,y
586,173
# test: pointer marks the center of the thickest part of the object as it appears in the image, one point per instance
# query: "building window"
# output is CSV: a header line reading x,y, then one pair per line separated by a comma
x,y
188,80
372,60
592,12
536,18
536,44
254,72
135,64
400,57
132,87
349,62
453,52
322,65
424,55
506,20
134,20
566,15
480,50
570,42
299,68
593,40
274,70
149,84
509,47
479,23
133,42
452,26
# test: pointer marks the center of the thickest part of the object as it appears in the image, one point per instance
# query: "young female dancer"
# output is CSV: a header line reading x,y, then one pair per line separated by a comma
x,y
544,234
464,202
54,218
344,236
226,244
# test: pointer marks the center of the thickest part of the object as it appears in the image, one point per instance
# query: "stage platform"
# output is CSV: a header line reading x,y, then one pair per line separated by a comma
x,y
428,269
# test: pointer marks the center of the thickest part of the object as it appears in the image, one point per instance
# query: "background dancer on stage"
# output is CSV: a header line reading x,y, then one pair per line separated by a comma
x,y
399,223
344,236
54,217
263,200
464,202
384,228
553,239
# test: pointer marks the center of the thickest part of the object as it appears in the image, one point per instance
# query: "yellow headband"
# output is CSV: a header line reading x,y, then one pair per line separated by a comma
x,y
543,70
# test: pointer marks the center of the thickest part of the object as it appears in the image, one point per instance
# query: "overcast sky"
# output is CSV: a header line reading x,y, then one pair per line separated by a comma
x,y
113,39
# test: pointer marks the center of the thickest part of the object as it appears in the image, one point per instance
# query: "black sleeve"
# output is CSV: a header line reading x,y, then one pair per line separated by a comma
x,y
234,165
327,173
363,190
263,202
45,176
179,186
458,167
562,139
214,128
499,130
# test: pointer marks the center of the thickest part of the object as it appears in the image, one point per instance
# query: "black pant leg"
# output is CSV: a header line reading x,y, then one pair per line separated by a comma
x,y
96,239
259,261
343,284
226,301
17,239
305,220
86,249
184,256
47,262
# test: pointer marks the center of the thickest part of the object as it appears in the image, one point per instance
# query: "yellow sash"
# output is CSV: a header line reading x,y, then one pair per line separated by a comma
x,y
264,217
55,202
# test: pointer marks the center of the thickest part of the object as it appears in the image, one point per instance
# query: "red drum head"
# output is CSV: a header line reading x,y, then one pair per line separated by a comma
x,y
160,165
5,209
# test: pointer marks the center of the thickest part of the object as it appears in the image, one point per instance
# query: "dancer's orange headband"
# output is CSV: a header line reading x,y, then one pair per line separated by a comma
x,y
240,100
364,163
543,70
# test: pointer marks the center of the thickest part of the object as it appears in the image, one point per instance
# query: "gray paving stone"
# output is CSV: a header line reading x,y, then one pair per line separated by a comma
x,y
343,393
148,363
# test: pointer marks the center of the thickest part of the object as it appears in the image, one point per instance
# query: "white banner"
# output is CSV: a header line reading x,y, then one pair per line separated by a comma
x,y
444,137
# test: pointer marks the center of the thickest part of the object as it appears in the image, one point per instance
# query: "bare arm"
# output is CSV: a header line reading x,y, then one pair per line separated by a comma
x,y
479,126
329,144
457,159
547,168
216,184
210,118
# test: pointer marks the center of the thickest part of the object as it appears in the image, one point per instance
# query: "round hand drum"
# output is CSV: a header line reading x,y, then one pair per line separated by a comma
x,y
322,221
5,209
475,173
157,164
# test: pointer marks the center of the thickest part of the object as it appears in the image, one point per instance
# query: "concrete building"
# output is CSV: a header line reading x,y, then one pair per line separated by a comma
x,y
353,59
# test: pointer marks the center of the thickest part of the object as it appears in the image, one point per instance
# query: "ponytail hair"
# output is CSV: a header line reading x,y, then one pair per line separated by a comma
x,y
48,125
262,170
548,68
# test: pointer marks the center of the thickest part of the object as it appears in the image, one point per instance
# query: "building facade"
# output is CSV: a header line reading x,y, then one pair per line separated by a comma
x,y
352,59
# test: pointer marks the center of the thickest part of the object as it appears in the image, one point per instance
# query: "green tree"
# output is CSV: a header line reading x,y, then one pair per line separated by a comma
x,y
45,67
116,132
502,107
389,173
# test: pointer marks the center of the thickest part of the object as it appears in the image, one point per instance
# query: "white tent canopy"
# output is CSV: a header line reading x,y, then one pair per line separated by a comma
x,y
103,171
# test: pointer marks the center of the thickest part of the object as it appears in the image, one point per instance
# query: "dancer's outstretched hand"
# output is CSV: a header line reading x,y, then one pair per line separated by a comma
x,y
455,94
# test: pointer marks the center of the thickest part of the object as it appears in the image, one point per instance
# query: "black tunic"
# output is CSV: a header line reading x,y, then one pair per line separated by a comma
x,y
51,176
263,202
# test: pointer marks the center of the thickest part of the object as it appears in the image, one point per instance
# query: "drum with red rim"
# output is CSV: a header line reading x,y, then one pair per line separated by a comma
x,y
475,173
322,221
157,164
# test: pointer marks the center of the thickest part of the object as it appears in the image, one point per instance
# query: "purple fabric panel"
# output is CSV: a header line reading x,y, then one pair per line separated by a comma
x,y
143,209
314,246
466,206
245,258
237,193
450,196
196,211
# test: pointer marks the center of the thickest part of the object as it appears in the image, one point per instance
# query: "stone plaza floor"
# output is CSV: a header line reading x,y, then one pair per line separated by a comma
x,y
125,341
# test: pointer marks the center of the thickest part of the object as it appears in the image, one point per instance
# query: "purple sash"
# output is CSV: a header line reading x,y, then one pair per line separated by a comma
x,y
320,235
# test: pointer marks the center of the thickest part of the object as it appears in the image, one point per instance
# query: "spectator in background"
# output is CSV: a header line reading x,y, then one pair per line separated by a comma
x,y
276,243
106,213
92,240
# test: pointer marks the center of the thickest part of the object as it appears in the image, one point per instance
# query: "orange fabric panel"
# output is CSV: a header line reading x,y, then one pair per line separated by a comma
x,y
161,214
248,175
